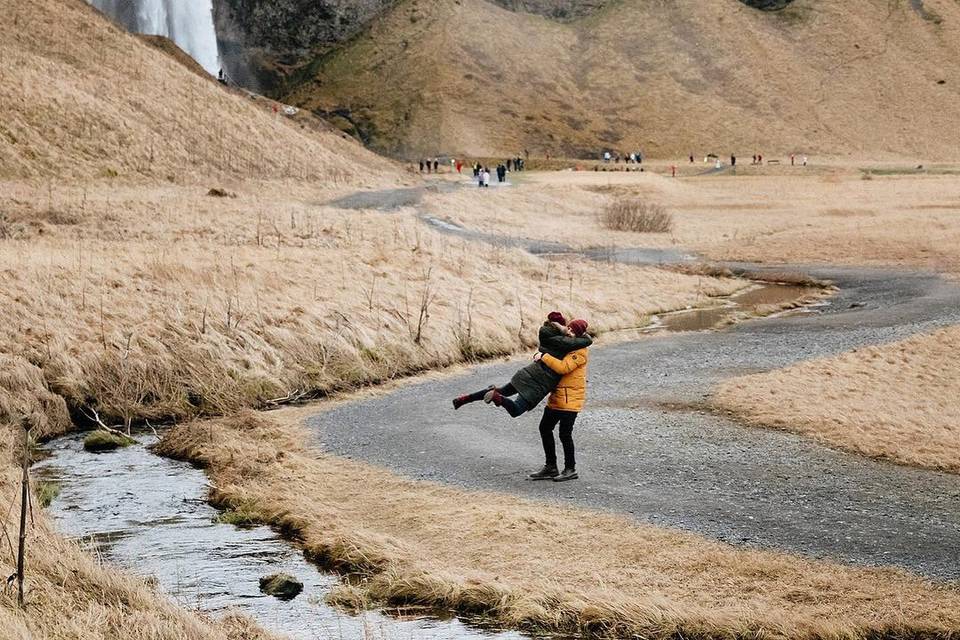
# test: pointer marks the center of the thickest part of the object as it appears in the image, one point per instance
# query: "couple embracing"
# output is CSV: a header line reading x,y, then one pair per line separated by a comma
x,y
559,370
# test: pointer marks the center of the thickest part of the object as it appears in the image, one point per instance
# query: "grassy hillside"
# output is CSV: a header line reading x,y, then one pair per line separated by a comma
x,y
81,99
670,78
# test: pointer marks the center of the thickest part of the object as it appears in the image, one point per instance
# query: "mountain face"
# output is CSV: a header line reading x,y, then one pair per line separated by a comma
x,y
669,77
263,42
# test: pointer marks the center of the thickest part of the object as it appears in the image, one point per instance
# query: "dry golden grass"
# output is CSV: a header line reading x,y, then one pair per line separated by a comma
x,y
160,302
897,401
445,76
776,215
553,568
81,99
637,216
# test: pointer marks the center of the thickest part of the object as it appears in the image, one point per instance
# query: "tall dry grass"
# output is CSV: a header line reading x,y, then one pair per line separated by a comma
x,y
638,216
897,402
539,567
162,302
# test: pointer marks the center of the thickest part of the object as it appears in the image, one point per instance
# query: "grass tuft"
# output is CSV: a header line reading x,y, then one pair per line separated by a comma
x,y
46,492
638,216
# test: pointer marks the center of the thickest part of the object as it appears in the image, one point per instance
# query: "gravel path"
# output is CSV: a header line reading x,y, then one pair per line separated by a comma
x,y
691,469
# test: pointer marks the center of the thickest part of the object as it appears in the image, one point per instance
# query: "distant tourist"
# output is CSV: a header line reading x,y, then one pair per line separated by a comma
x,y
421,166
436,166
486,177
733,160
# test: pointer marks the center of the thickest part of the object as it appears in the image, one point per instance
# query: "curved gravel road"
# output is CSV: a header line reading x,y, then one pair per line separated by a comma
x,y
693,469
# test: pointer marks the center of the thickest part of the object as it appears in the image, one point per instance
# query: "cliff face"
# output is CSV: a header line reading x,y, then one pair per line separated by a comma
x,y
668,77
263,42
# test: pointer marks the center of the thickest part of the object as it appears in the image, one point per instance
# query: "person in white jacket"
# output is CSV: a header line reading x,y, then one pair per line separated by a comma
x,y
486,177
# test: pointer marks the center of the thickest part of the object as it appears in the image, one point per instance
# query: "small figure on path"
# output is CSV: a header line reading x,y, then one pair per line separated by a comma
x,y
436,166
733,160
421,166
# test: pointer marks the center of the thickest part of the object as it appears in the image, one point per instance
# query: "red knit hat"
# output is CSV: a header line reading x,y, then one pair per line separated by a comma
x,y
556,316
579,327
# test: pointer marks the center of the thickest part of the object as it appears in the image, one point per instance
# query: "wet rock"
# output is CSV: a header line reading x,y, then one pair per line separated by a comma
x,y
100,441
281,585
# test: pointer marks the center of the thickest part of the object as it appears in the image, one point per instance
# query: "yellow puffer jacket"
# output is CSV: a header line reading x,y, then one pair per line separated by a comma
x,y
571,391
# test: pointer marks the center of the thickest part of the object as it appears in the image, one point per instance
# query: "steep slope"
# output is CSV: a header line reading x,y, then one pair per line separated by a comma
x,y
819,76
80,98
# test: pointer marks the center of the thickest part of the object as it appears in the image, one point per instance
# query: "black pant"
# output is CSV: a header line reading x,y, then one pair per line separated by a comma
x,y
551,418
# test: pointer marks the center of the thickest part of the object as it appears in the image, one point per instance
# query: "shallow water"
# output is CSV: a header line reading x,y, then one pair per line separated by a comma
x,y
149,515
739,305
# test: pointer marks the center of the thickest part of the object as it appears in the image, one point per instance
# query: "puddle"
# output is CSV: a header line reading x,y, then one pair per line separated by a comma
x,y
751,302
149,515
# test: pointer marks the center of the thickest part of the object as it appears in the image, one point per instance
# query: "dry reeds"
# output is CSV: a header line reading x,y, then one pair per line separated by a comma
x,y
637,216
165,312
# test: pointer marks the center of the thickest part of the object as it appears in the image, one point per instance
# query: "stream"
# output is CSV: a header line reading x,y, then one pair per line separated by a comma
x,y
148,515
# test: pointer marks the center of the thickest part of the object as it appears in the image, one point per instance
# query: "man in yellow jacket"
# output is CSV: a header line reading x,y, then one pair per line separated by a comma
x,y
564,405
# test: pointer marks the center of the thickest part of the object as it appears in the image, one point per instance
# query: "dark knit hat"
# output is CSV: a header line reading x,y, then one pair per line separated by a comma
x,y
556,316
579,327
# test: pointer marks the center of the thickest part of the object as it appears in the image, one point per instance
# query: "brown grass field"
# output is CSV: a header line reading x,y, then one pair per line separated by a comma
x,y
897,402
825,213
421,543
127,291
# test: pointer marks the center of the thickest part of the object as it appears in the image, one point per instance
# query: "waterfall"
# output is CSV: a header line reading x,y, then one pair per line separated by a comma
x,y
189,23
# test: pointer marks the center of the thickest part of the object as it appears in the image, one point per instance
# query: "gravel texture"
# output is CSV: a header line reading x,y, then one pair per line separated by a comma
x,y
642,452
646,448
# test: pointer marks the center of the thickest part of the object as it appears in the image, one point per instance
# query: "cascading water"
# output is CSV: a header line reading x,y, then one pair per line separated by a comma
x,y
189,23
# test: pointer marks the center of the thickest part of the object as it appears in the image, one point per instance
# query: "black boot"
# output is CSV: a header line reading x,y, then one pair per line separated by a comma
x,y
547,473
568,474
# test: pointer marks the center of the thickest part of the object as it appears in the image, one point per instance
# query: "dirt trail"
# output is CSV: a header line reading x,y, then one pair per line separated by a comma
x,y
640,454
